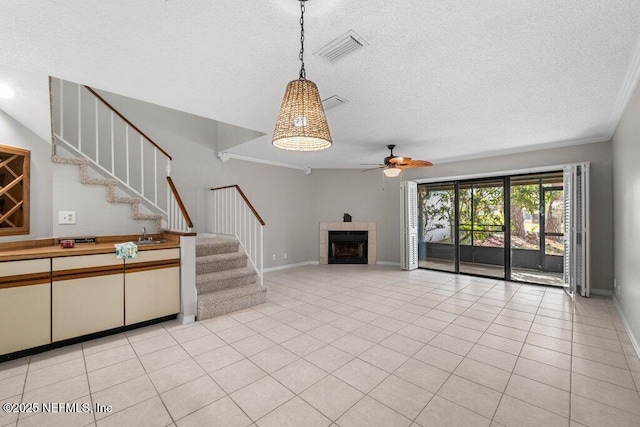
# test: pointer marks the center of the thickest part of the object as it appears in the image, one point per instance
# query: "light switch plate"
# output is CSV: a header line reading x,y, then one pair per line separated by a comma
x,y
66,217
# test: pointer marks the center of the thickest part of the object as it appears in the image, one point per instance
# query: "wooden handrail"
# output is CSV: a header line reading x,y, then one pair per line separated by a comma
x,y
174,190
104,101
255,213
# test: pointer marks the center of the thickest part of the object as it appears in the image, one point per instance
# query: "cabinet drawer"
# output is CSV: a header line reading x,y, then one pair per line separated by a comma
x,y
15,268
85,261
154,255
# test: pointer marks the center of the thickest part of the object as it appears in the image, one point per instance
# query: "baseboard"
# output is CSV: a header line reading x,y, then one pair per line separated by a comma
x,y
286,266
602,292
627,327
300,264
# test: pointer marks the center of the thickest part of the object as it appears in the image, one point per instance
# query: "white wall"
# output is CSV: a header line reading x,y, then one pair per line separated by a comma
x,y
600,156
229,136
366,196
626,196
94,215
14,134
280,195
293,204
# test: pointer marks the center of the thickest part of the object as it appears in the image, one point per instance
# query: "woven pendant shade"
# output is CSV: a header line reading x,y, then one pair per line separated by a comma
x,y
301,124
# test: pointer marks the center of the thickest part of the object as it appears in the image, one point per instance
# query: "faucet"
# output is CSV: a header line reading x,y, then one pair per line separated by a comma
x,y
144,234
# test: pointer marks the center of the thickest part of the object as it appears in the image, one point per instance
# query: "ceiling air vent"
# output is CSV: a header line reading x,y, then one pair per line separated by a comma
x,y
341,47
333,102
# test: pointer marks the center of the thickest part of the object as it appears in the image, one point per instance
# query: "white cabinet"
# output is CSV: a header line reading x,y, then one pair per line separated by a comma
x,y
87,295
25,304
152,285
55,299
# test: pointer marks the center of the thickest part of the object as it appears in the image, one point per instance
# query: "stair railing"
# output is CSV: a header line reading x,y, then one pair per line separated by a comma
x,y
178,217
233,214
91,128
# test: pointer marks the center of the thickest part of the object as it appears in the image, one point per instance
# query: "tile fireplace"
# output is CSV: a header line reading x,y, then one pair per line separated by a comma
x,y
348,247
348,243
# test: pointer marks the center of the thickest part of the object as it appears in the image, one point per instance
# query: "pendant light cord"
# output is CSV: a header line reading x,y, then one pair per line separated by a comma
x,y
303,73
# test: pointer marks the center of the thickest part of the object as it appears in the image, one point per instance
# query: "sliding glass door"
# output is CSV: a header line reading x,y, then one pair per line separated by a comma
x,y
437,229
507,228
481,228
537,224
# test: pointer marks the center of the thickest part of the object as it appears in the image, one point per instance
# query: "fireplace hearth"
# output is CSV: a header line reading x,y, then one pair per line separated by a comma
x,y
348,247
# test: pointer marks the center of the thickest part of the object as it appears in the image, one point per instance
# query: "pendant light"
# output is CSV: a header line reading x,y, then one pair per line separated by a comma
x,y
301,124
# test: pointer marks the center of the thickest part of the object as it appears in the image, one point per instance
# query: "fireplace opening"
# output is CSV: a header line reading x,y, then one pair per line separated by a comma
x,y
348,247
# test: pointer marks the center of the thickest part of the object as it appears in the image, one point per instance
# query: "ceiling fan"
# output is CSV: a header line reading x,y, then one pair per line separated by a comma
x,y
393,165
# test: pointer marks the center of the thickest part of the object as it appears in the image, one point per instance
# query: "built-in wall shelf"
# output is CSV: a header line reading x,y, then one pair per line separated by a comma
x,y
14,190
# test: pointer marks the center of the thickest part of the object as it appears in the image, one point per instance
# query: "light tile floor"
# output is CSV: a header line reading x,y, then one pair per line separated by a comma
x,y
353,346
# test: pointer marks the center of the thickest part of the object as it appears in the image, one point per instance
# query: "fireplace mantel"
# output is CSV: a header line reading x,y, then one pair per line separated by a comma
x,y
325,227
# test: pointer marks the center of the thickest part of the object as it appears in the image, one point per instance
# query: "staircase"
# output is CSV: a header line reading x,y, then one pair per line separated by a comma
x,y
111,184
88,132
224,280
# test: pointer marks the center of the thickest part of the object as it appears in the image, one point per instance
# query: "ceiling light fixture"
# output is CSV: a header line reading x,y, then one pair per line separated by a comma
x,y
6,92
392,171
301,124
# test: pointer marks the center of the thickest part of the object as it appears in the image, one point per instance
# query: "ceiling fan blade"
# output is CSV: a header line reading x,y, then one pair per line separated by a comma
x,y
415,164
371,164
399,160
372,169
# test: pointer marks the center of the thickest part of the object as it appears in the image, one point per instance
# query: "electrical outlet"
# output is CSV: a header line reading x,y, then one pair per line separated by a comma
x,y
285,256
273,257
66,217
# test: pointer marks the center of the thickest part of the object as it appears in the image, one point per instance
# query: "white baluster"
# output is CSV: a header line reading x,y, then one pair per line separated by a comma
x,y
113,151
261,257
97,134
169,219
229,193
249,241
61,110
80,118
126,145
155,176
142,165
176,219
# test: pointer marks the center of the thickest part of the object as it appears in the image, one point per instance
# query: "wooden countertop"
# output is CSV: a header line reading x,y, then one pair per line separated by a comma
x,y
54,251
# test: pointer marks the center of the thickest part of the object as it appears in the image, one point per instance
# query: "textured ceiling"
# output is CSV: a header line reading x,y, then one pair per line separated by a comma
x,y
443,80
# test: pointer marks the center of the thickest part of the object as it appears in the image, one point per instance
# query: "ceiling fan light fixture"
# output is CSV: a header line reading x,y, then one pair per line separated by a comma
x,y
301,124
392,171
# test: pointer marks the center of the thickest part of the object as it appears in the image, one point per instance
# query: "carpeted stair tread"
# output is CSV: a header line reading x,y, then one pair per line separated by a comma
x,y
234,273
225,281
212,263
215,246
211,239
229,300
231,293
219,280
